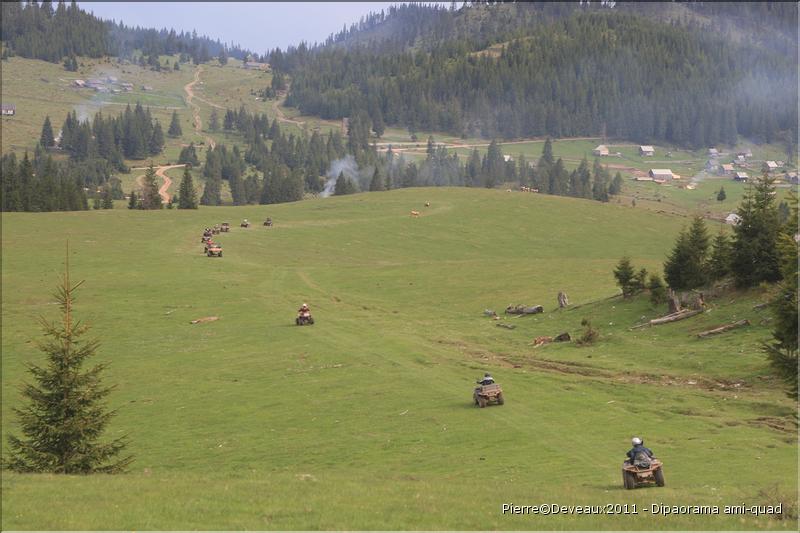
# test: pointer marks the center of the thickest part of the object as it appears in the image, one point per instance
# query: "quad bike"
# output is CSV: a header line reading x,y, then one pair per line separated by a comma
x,y
213,250
268,222
486,394
206,238
642,472
215,230
304,319
225,228
244,225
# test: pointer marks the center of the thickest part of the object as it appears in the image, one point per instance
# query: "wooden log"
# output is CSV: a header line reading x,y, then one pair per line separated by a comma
x,y
674,317
722,329
507,326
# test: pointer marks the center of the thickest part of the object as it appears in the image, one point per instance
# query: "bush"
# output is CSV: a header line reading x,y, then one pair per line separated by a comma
x,y
589,336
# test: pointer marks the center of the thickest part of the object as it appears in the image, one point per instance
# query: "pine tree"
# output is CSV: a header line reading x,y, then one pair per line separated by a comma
x,y
175,126
66,415
625,275
107,198
188,196
150,197
133,202
686,266
658,292
344,185
46,139
377,183
156,144
213,122
755,255
721,195
719,264
782,351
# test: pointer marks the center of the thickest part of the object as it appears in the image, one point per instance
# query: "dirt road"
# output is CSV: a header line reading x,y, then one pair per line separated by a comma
x,y
163,191
190,97
276,107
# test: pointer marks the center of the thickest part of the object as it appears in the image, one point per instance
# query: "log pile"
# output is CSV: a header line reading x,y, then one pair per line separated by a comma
x,y
723,329
524,310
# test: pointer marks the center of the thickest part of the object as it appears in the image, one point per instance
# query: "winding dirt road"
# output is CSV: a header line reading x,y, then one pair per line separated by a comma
x,y
163,191
190,97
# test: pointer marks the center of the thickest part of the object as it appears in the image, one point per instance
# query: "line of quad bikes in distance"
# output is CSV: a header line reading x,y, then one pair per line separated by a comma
x,y
214,249
633,475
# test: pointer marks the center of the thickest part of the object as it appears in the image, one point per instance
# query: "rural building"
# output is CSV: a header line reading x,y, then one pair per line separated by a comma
x,y
79,83
661,174
507,158
8,109
791,177
713,152
740,176
646,150
771,165
147,88
726,169
601,150
111,79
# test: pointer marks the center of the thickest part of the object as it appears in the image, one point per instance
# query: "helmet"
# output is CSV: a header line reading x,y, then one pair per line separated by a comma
x,y
636,441
487,375
305,305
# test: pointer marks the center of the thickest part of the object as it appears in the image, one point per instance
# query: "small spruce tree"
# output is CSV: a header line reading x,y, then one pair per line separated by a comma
x,y
721,194
188,196
624,275
46,139
66,415
175,126
658,291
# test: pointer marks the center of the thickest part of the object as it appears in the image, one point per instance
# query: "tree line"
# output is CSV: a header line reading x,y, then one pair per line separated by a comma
x,y
288,166
40,31
132,134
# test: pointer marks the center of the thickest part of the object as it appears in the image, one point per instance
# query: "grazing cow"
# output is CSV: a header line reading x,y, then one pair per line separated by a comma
x,y
414,213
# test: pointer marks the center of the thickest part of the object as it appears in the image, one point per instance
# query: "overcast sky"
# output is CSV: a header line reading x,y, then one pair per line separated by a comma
x,y
258,26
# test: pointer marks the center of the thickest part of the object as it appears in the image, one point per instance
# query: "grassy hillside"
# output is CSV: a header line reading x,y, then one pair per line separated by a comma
x,y
365,421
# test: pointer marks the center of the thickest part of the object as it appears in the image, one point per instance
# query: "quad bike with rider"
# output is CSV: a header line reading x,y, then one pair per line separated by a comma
x,y
641,467
268,222
304,317
213,249
488,392
245,224
225,228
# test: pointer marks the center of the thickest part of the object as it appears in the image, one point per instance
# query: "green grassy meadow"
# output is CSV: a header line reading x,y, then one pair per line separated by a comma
x,y
365,420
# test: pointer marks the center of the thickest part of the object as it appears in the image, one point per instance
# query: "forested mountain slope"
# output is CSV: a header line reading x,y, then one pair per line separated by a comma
x,y
643,73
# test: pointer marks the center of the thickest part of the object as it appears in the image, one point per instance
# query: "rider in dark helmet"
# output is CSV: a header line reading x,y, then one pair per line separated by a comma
x,y
639,454
487,379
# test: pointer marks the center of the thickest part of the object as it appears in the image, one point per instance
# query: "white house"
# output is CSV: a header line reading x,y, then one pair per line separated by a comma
x,y
713,152
646,150
771,165
601,150
740,176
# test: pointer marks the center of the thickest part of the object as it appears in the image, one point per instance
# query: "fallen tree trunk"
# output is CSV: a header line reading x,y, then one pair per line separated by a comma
x,y
723,329
674,317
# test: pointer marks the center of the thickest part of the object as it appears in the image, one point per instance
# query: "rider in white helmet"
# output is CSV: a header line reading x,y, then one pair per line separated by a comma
x,y
638,453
